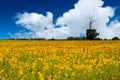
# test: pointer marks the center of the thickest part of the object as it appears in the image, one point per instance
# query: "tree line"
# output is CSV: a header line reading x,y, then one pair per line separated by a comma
x,y
69,38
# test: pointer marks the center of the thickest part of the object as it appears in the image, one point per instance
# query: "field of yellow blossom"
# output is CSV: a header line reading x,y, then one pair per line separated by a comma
x,y
59,60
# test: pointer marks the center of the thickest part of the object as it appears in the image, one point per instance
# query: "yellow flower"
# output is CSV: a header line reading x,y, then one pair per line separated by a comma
x,y
3,78
41,76
20,71
49,77
34,65
66,75
1,71
33,72
1,57
73,74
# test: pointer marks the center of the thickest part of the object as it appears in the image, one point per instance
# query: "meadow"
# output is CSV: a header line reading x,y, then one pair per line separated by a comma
x,y
59,60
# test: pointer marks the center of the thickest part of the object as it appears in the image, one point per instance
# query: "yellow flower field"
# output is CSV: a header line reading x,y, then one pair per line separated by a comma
x,y
59,60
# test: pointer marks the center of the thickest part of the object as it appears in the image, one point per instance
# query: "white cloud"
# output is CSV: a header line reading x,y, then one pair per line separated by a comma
x,y
76,18
72,23
34,21
39,26
115,28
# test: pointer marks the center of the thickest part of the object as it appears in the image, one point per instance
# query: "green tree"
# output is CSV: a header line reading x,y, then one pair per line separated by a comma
x,y
91,33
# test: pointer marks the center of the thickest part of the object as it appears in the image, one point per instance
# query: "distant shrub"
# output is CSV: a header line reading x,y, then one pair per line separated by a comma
x,y
115,38
38,39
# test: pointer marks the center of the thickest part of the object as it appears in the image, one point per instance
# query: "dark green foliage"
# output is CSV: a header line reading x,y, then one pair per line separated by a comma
x,y
22,39
115,38
73,38
98,39
52,39
76,38
38,39
91,34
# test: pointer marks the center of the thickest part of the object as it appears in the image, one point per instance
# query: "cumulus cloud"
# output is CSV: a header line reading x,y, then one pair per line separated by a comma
x,y
76,18
115,28
72,23
39,26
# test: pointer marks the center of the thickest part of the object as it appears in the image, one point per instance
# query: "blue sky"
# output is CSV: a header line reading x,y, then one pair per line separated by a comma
x,y
9,9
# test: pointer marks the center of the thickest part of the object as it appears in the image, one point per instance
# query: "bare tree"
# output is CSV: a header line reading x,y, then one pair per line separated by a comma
x,y
90,21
